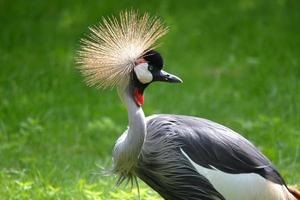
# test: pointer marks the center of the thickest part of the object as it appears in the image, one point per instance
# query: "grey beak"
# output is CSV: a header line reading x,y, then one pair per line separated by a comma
x,y
166,77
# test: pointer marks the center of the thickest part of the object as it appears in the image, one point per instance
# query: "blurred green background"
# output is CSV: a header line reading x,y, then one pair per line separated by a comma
x,y
240,62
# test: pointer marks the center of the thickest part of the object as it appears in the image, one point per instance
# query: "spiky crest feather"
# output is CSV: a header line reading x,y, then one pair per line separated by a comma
x,y
108,55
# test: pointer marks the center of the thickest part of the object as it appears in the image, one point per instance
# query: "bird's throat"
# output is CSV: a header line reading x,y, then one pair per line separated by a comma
x,y
138,96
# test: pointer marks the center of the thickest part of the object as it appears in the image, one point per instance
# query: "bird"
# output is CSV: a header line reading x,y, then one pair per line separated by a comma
x,y
180,157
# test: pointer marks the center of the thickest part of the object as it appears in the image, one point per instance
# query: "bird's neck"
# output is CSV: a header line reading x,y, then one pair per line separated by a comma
x,y
136,120
129,145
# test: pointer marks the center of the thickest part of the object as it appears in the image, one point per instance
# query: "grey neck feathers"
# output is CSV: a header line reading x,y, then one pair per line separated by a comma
x,y
129,145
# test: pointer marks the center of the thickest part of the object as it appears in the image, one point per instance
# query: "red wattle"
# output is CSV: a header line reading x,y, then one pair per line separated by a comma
x,y
138,97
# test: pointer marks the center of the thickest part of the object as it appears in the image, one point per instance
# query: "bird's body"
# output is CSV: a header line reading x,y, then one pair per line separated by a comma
x,y
181,157
210,161
183,153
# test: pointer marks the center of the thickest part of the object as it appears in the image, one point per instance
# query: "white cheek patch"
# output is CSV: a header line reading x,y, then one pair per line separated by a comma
x,y
142,73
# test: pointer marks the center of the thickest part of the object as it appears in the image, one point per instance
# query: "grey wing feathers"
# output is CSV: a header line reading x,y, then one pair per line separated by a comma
x,y
162,166
212,145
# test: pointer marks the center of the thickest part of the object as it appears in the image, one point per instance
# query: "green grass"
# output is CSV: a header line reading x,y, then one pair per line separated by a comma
x,y
240,65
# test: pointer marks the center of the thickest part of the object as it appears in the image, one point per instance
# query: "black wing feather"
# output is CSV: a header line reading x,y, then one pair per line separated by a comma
x,y
212,145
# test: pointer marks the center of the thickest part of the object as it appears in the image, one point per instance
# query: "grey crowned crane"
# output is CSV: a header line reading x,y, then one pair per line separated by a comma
x,y
181,157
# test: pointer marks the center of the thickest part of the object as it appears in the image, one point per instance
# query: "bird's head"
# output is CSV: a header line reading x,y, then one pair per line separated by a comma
x,y
120,51
148,69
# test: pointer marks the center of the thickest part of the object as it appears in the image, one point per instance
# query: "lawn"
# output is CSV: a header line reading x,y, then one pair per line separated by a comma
x,y
239,61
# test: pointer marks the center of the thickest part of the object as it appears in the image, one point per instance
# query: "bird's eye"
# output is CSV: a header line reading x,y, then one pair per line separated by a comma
x,y
150,68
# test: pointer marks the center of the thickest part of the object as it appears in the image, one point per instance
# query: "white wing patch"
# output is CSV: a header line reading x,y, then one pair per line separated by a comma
x,y
142,73
249,186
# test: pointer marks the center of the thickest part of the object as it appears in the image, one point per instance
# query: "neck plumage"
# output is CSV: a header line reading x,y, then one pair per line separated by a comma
x,y
129,145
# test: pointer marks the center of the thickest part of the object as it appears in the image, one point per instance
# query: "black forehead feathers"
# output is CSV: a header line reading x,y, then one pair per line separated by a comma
x,y
154,58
